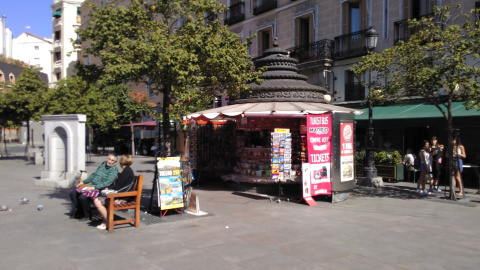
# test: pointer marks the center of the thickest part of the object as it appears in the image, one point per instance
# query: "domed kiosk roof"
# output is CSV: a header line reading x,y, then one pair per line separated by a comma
x,y
282,93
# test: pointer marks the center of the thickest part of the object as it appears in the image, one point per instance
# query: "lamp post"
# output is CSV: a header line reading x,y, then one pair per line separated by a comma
x,y
370,170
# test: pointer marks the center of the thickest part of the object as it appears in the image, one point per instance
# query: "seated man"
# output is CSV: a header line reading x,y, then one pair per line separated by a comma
x,y
103,177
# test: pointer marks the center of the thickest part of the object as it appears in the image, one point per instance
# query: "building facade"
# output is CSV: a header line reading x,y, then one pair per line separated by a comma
x,y
66,20
6,38
328,37
34,51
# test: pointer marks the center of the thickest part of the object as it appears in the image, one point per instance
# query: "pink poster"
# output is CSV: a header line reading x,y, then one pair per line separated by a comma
x,y
346,152
319,133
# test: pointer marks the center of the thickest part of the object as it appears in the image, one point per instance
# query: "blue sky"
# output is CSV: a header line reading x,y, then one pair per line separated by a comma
x,y
21,14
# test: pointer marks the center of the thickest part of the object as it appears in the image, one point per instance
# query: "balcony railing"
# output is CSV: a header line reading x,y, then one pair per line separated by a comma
x,y
57,22
404,32
315,51
235,13
58,43
354,91
264,6
351,45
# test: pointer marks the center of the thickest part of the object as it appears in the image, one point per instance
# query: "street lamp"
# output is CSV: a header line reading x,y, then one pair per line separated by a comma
x,y
370,170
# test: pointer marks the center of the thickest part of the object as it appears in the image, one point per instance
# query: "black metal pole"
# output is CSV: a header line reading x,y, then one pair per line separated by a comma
x,y
370,170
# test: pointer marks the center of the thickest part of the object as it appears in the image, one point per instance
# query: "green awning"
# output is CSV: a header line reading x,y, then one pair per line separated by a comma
x,y
57,13
414,111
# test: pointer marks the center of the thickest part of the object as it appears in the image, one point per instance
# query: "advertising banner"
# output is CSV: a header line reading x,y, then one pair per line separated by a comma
x,y
347,165
319,133
169,183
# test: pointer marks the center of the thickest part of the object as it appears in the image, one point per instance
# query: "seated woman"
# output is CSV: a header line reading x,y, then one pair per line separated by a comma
x,y
124,183
103,177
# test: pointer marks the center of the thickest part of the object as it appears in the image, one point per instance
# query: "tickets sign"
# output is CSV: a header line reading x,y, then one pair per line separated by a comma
x,y
319,133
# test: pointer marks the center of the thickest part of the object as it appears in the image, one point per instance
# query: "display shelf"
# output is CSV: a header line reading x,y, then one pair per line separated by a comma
x,y
238,178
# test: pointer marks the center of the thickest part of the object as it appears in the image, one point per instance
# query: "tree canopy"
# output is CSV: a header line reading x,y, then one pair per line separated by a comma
x,y
178,47
438,62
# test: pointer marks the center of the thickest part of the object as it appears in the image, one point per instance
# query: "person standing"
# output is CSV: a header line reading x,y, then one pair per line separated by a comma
x,y
409,162
458,156
425,167
436,151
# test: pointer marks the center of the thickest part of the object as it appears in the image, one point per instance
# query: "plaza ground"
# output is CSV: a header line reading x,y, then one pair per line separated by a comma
x,y
376,228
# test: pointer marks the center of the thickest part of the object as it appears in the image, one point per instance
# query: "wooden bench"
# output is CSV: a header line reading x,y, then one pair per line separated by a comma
x,y
135,204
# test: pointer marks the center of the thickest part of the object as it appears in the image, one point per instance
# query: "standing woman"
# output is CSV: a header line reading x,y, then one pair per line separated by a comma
x,y
458,156
123,183
425,167
436,151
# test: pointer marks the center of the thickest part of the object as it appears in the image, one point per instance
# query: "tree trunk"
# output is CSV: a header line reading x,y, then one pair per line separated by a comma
x,y
2,152
27,143
132,138
165,120
450,170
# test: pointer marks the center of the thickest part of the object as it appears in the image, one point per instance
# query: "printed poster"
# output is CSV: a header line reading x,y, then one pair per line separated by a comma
x,y
319,133
169,183
347,165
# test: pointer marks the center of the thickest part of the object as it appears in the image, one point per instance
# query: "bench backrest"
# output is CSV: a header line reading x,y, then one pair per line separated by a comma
x,y
137,183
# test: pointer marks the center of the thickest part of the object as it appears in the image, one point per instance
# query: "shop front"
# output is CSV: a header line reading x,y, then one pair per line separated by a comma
x,y
280,135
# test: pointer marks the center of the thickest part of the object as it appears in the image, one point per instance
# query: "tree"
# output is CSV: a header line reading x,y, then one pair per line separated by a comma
x,y
437,63
134,106
25,100
178,47
101,104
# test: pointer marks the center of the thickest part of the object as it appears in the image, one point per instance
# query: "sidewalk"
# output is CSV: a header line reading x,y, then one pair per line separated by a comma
x,y
376,228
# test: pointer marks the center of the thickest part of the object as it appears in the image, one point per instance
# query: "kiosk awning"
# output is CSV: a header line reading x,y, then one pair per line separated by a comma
x,y
415,111
270,109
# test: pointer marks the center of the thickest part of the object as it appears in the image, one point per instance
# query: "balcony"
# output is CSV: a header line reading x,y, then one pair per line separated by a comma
x,y
57,43
321,50
57,23
264,6
235,13
403,31
351,45
354,91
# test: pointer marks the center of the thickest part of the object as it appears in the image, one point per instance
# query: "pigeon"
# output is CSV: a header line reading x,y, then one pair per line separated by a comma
x,y
40,207
24,201
4,208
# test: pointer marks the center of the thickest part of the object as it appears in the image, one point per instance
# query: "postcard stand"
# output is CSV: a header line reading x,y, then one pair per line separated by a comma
x,y
169,185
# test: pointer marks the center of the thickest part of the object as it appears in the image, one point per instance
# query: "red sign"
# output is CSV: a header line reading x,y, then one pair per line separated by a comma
x,y
319,133
346,152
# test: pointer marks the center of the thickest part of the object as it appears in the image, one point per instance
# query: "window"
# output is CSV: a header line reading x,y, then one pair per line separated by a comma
x,y
2,78
58,76
57,56
304,33
12,78
264,40
58,35
354,89
417,8
101,3
354,15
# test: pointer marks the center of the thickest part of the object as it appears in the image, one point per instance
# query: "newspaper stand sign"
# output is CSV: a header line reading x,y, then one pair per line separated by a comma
x,y
169,184
317,172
